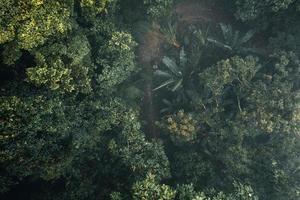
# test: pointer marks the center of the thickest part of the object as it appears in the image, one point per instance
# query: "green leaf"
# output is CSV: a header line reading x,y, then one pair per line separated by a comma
x,y
182,57
235,39
162,73
171,65
164,84
219,44
247,36
226,30
164,110
178,84
167,102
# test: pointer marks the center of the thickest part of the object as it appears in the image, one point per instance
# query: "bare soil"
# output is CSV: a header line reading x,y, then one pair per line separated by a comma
x,y
191,11
149,48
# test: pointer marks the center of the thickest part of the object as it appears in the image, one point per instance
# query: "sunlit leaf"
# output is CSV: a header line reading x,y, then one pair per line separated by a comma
x,y
178,85
247,36
182,57
219,44
171,65
164,84
162,73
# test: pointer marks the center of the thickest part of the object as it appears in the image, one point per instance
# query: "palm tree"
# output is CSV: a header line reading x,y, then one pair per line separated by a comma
x,y
173,74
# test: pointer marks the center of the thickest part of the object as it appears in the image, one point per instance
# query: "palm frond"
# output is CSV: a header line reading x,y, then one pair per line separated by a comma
x,y
167,102
182,57
169,33
235,39
177,85
247,36
219,44
171,64
162,73
164,84
227,31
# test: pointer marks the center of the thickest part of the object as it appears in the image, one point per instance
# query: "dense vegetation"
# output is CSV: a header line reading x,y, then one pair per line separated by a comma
x,y
150,100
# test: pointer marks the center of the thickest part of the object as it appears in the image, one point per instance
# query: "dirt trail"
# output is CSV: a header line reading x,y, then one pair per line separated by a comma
x,y
149,48
150,51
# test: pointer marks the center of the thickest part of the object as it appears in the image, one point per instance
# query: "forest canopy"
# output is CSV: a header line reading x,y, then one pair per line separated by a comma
x,y
150,99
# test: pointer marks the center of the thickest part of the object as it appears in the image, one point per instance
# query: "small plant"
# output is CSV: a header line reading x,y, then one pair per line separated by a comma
x,y
179,73
173,75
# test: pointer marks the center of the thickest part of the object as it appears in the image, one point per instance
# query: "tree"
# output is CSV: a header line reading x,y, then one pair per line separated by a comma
x,y
248,10
31,23
157,8
149,189
63,66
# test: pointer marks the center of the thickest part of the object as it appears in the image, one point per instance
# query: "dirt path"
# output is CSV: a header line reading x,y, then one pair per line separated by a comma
x,y
192,11
148,52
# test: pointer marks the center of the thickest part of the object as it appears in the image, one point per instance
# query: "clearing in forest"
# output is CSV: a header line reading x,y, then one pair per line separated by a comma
x,y
150,49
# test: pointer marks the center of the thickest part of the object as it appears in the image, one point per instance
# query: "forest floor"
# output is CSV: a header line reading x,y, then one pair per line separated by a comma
x,y
191,11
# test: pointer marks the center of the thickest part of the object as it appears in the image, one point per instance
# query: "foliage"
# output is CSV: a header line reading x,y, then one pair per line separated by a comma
x,y
64,66
52,76
117,60
233,41
179,72
247,10
34,134
73,103
93,7
148,189
11,54
240,192
181,126
157,8
226,72
169,32
32,23
115,153
187,192
50,112
174,75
